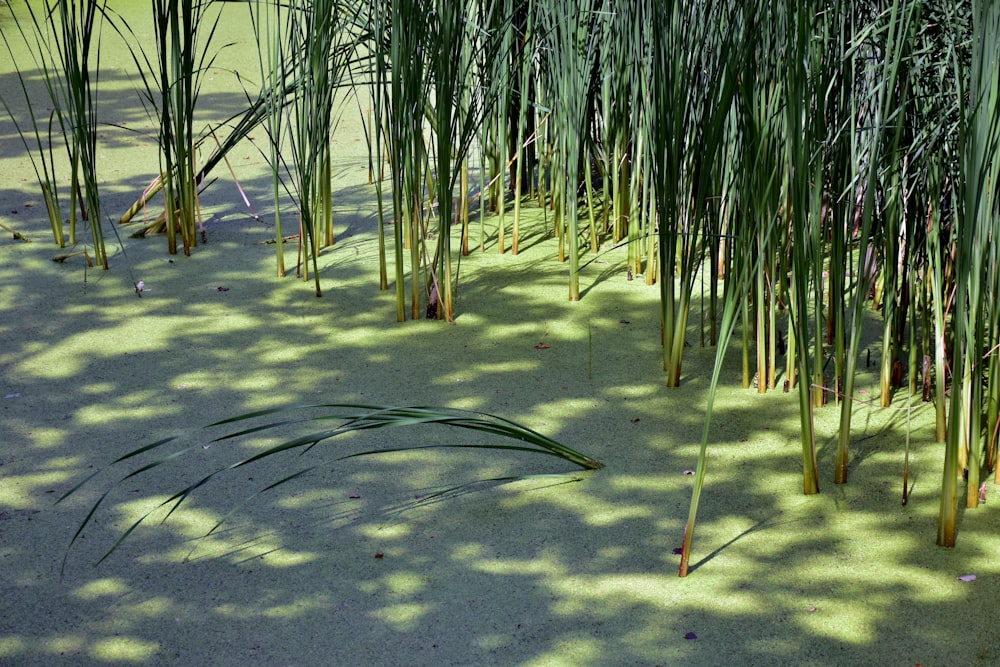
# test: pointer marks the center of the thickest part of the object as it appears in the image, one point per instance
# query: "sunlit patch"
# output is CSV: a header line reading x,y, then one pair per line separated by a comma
x,y
609,595
11,647
540,564
280,352
850,624
511,366
297,609
64,644
44,437
189,521
386,531
269,397
99,388
650,483
636,390
468,551
611,517
471,319
403,583
99,414
53,364
302,606
101,588
8,297
194,380
203,318
402,617
18,491
571,653
124,649
287,558
310,499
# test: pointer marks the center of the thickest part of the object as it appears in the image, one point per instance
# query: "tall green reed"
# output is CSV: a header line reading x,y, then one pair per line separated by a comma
x,y
457,43
268,26
39,143
171,78
740,266
63,39
378,20
690,98
436,81
883,140
568,29
523,21
976,230
840,186
405,103
77,23
321,41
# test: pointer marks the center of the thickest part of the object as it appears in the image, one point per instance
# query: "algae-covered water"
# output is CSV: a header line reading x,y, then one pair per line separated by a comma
x,y
341,566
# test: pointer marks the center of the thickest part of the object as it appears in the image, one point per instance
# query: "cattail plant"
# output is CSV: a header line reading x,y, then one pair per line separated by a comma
x,y
883,200
525,122
429,69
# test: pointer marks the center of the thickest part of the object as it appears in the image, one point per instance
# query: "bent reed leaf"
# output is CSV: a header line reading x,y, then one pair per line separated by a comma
x,y
355,418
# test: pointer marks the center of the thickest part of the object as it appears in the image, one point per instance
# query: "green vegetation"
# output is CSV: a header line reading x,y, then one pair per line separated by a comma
x,y
820,162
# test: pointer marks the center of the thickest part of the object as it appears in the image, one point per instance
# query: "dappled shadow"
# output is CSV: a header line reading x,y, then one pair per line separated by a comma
x,y
351,564
532,573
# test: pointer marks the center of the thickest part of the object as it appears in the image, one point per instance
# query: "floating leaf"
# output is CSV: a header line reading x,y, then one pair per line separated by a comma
x,y
542,346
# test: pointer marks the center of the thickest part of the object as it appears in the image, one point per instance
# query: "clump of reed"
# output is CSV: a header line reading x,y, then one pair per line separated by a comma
x,y
63,40
819,160
819,165
172,74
